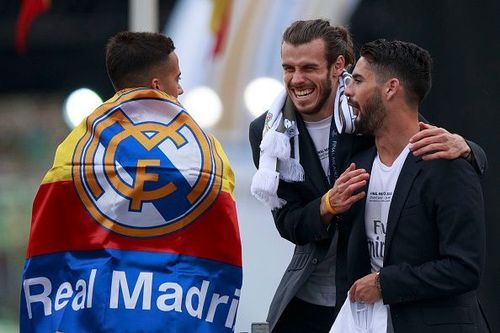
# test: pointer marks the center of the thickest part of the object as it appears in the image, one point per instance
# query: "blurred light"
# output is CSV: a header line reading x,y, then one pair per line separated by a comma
x,y
260,94
204,105
79,104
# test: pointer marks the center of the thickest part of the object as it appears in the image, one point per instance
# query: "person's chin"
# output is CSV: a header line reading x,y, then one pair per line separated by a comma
x,y
304,106
306,110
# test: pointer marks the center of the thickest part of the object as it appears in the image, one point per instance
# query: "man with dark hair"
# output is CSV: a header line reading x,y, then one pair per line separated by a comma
x,y
143,59
301,146
417,240
134,227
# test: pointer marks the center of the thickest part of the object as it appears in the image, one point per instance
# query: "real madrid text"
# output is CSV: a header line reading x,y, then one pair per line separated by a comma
x,y
197,301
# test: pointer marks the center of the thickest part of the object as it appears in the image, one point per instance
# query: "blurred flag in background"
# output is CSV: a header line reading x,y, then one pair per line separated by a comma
x,y
30,9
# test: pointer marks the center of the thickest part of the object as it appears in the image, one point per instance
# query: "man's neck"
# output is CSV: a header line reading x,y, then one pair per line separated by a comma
x,y
324,112
394,136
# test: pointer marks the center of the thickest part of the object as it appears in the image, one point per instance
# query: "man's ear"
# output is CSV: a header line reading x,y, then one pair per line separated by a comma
x,y
155,83
391,88
338,66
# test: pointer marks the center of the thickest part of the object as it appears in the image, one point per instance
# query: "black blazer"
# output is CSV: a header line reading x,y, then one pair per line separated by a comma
x,y
434,247
299,220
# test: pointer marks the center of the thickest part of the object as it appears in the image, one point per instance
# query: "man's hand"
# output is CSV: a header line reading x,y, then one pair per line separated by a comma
x,y
435,142
341,196
366,290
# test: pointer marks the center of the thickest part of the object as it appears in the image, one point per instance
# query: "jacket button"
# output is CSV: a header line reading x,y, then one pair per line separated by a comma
x,y
315,261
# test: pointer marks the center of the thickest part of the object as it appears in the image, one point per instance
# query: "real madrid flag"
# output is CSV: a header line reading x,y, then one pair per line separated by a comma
x,y
134,228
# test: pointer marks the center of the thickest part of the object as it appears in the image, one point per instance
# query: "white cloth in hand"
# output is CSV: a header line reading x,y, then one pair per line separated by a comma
x,y
361,318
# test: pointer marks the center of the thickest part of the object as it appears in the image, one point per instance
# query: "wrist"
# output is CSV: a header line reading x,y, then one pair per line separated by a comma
x,y
467,151
467,154
377,282
326,204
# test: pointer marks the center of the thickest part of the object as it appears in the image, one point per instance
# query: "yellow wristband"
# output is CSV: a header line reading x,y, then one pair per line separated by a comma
x,y
329,207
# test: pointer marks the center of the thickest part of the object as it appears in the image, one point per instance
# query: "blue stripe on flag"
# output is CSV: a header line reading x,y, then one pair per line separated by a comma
x,y
128,291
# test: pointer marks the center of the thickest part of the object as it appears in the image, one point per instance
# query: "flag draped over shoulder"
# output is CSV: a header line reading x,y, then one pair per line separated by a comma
x,y
134,227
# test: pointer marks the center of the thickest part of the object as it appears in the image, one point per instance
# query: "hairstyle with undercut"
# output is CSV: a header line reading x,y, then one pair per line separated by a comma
x,y
406,61
337,39
131,56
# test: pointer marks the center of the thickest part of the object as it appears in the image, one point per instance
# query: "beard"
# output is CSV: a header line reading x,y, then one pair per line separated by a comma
x,y
326,85
327,91
372,117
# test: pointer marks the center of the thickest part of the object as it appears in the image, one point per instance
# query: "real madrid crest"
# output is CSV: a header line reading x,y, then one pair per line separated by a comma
x,y
144,168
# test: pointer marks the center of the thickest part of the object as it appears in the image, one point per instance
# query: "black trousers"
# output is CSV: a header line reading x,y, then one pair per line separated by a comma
x,y
303,317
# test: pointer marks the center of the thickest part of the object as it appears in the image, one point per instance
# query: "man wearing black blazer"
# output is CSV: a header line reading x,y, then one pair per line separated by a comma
x,y
417,240
308,62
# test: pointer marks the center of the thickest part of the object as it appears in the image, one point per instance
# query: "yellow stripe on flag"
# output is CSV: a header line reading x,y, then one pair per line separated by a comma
x,y
227,172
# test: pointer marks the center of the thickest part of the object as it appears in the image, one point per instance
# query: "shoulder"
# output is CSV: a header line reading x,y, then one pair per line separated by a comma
x,y
255,136
447,168
448,178
257,125
255,129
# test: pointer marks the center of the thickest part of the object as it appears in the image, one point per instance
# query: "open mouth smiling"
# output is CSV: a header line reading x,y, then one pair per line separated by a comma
x,y
354,106
303,92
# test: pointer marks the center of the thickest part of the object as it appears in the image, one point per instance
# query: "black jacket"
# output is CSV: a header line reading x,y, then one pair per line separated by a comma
x,y
299,220
434,247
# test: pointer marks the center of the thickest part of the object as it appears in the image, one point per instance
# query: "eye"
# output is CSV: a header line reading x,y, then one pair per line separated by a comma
x,y
309,69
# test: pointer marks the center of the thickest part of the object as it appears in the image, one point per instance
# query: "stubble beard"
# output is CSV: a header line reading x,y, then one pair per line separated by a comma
x,y
323,98
372,117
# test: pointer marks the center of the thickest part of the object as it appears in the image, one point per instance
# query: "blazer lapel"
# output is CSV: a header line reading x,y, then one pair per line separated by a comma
x,y
343,151
408,173
357,243
365,161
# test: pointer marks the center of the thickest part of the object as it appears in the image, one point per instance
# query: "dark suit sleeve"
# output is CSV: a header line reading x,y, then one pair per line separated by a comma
x,y
478,160
298,221
455,197
255,137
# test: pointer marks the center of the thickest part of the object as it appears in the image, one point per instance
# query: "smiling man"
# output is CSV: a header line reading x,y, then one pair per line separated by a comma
x,y
301,146
417,240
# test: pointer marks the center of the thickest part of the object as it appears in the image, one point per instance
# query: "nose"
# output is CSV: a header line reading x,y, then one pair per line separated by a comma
x,y
348,88
297,78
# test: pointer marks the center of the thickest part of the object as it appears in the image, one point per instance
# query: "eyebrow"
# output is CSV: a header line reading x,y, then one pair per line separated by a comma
x,y
357,76
306,65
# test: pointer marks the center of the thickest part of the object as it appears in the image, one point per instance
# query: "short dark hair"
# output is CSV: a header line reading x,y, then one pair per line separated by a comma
x,y
337,39
130,56
410,63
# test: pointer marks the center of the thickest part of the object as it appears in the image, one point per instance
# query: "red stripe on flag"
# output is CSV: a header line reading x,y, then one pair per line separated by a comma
x,y
29,10
220,24
61,223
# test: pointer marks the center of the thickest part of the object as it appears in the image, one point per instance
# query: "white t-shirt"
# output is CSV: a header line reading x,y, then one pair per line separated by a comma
x,y
383,181
320,134
320,289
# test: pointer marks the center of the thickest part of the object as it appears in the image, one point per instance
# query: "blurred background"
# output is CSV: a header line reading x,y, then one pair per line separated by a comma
x,y
229,53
